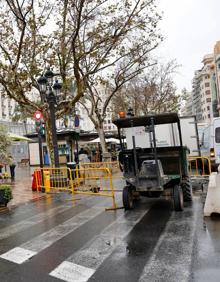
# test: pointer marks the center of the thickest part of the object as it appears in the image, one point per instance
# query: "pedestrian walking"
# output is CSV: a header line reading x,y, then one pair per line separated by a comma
x,y
12,164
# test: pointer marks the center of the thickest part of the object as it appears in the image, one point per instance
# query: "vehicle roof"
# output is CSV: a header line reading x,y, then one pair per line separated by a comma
x,y
146,120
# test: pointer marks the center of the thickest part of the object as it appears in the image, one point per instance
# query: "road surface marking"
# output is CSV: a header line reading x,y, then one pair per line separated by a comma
x,y
92,255
21,225
172,255
46,239
72,272
18,255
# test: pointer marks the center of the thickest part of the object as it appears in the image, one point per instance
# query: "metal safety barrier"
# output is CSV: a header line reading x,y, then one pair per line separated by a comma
x,y
84,181
54,179
112,166
199,166
94,181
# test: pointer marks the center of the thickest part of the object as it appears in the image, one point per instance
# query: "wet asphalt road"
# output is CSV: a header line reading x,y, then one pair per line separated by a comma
x,y
59,239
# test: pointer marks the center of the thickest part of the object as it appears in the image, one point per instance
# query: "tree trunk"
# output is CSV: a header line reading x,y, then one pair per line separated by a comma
x,y
106,156
101,134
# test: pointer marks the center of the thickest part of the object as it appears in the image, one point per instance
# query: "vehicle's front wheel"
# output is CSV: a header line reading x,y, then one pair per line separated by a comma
x,y
178,198
128,198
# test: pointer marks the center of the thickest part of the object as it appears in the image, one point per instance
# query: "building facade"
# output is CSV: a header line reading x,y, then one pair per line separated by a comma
x,y
196,96
206,88
7,107
206,75
186,103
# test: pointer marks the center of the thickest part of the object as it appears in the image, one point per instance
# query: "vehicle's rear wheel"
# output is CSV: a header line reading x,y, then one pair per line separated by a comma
x,y
128,198
187,190
178,198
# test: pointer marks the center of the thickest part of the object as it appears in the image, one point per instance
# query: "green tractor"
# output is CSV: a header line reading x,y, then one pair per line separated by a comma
x,y
151,169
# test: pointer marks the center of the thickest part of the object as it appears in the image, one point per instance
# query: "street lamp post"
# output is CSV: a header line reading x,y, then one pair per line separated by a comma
x,y
50,91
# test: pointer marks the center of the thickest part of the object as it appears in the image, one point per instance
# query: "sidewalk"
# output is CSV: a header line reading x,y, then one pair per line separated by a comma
x,y
21,187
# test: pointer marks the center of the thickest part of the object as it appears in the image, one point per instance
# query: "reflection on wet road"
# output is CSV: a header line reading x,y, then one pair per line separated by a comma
x,y
64,240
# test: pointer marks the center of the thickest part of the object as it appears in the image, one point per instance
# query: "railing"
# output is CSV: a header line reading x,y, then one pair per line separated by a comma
x,y
112,166
199,166
87,181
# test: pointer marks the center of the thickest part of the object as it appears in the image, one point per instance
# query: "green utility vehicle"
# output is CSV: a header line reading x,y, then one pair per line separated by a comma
x,y
154,167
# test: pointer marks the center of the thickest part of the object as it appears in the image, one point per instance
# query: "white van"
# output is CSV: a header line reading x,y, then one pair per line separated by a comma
x,y
210,142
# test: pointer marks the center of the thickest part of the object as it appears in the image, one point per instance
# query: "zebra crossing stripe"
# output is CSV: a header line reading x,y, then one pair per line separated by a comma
x,y
92,255
18,255
17,227
46,239
72,272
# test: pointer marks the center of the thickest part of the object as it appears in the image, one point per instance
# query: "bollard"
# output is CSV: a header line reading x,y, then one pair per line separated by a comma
x,y
47,181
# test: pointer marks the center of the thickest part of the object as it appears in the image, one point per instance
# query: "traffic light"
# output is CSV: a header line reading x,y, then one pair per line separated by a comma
x,y
39,123
38,115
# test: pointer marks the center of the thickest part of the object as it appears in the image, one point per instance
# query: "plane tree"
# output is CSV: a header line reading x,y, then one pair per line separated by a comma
x,y
113,45
90,43
154,92
5,142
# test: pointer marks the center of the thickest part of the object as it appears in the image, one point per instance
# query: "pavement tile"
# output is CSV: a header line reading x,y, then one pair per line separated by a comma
x,y
22,188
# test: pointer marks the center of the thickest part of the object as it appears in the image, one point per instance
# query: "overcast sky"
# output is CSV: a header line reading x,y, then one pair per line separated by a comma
x,y
190,28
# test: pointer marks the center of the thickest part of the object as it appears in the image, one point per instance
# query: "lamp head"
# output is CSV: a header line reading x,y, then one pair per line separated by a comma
x,y
42,82
49,75
57,87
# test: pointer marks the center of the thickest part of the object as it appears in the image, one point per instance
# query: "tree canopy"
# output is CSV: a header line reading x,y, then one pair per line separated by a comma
x,y
4,145
154,92
92,43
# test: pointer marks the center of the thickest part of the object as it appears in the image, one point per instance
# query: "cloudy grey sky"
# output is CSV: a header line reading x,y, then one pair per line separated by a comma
x,y
190,28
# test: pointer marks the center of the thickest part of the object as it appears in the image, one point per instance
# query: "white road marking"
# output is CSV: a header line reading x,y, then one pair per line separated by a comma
x,y
71,272
46,239
92,255
17,227
18,255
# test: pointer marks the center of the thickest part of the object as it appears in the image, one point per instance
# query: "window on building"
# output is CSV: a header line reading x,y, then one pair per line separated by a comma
x,y
217,135
208,108
207,84
207,77
208,115
109,121
208,100
109,127
107,109
207,92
